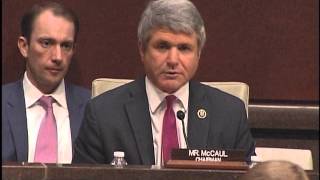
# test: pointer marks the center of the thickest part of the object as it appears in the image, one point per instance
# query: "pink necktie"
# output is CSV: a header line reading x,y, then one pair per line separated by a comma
x,y
46,147
169,130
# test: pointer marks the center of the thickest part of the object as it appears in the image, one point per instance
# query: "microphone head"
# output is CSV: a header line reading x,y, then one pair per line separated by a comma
x,y
180,115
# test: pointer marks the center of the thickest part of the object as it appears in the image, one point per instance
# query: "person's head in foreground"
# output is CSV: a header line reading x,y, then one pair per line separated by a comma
x,y
275,170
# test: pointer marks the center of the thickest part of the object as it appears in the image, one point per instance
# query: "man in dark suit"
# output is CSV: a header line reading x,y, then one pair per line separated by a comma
x,y
140,119
49,32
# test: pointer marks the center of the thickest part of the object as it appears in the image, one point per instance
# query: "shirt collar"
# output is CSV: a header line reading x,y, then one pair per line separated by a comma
x,y
32,93
156,96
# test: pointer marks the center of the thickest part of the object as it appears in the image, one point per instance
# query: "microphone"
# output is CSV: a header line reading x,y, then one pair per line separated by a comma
x,y
181,115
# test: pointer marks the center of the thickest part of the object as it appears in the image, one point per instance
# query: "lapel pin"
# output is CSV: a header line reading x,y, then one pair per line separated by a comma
x,y
202,113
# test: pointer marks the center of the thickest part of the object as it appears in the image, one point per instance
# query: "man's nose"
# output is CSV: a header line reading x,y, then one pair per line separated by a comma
x,y
173,56
57,53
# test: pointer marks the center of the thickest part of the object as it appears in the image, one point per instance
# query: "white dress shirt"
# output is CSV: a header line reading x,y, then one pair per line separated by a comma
x,y
157,108
35,114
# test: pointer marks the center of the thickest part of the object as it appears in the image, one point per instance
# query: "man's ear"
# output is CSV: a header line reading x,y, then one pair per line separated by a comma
x,y
23,46
199,54
141,50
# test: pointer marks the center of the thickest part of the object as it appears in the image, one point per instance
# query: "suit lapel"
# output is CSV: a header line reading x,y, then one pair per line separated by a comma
x,y
198,123
75,113
140,121
18,121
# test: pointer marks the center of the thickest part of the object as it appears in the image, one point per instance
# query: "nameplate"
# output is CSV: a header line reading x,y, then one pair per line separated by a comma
x,y
208,155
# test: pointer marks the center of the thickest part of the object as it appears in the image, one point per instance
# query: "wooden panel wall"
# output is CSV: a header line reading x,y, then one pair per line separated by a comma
x,y
271,45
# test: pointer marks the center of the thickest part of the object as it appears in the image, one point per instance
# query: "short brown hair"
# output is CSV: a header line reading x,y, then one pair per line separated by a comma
x,y
28,18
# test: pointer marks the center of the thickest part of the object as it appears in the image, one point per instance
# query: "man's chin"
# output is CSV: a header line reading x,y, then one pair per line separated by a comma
x,y
53,82
170,87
